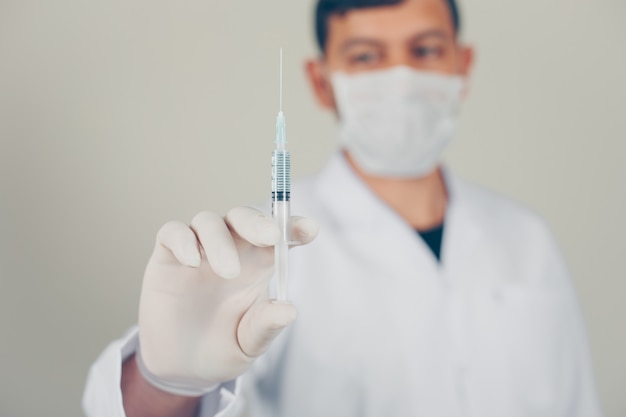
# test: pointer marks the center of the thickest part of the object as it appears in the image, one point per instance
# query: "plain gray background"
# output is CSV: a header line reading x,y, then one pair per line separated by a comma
x,y
117,116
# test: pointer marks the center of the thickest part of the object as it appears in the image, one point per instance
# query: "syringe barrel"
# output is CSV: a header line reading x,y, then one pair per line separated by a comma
x,y
281,175
281,190
281,261
281,212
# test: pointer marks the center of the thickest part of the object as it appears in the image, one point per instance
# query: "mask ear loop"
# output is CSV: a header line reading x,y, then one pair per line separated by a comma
x,y
328,80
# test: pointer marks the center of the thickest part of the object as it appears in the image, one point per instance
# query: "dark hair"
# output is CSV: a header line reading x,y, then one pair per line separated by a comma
x,y
327,8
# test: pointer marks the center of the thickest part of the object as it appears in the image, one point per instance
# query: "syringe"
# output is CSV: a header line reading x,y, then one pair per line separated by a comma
x,y
281,189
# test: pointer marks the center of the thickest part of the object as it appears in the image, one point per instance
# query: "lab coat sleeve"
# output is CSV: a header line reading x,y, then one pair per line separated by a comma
x,y
578,387
103,394
581,397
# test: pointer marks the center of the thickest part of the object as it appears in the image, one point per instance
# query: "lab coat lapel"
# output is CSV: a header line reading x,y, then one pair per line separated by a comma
x,y
462,232
360,215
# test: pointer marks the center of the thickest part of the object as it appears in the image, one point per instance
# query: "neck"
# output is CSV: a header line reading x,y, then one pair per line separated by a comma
x,y
421,202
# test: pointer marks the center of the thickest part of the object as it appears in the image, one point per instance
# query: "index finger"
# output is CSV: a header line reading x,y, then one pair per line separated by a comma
x,y
253,226
218,244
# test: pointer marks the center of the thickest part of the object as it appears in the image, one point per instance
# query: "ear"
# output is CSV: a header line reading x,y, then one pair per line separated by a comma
x,y
467,55
321,86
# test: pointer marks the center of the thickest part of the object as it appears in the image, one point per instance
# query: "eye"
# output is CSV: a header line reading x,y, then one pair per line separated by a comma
x,y
422,52
364,58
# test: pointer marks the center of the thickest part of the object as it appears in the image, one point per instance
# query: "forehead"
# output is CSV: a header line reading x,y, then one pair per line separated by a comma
x,y
396,22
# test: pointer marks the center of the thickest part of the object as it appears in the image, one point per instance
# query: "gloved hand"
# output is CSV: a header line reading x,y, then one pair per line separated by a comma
x,y
204,314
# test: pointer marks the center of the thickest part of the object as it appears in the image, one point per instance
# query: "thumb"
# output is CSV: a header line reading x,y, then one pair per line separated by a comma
x,y
261,324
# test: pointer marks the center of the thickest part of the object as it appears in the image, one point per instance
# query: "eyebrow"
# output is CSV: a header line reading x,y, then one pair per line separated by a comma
x,y
432,33
360,42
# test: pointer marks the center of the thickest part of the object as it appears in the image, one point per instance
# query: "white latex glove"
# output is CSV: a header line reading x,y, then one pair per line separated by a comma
x,y
204,313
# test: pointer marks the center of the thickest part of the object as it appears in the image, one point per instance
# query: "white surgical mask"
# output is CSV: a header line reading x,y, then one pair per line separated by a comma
x,y
397,122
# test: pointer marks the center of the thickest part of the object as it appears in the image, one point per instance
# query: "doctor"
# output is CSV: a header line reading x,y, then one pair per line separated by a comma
x,y
423,295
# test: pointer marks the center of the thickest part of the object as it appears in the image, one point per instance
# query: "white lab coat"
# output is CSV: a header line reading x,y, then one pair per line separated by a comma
x,y
385,330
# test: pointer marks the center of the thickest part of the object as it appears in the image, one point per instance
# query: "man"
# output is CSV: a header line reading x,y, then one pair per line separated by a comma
x,y
422,296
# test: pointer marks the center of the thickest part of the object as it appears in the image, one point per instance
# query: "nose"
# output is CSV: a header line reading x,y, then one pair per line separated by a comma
x,y
397,56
